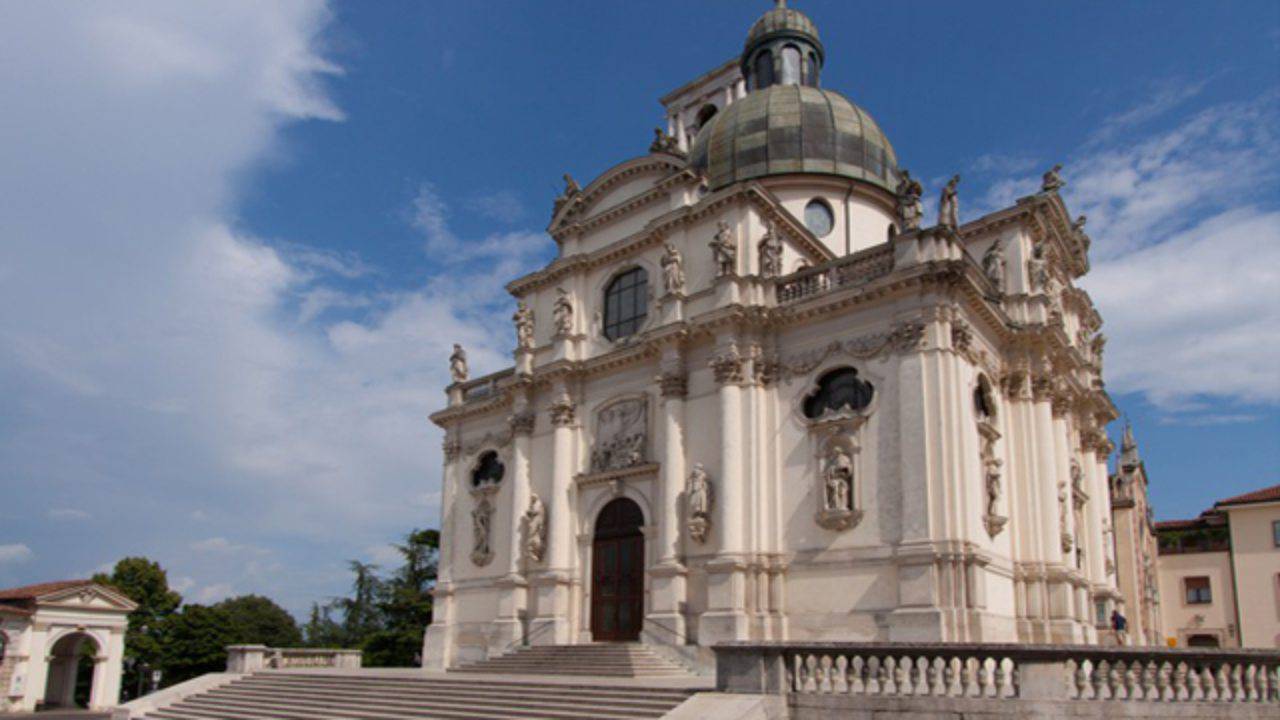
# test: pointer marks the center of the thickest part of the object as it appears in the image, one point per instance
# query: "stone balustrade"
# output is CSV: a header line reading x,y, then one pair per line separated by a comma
x,y
1067,673
855,269
251,658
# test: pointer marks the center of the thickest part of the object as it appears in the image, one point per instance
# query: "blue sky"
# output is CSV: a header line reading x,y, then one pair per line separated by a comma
x,y
239,238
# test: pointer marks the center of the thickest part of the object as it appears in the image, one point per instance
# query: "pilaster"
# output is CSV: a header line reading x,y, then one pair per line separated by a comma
x,y
551,624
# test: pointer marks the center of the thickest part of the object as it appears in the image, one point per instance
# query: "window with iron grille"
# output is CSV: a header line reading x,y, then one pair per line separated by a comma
x,y
626,303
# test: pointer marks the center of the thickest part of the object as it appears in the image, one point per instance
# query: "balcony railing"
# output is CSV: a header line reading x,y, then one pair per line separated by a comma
x,y
251,658
1073,673
856,269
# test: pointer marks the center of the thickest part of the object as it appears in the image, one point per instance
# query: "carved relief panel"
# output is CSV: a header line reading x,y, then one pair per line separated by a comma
x,y
621,435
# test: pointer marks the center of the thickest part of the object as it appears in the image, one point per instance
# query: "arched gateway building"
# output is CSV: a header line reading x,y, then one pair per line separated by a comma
x,y
755,397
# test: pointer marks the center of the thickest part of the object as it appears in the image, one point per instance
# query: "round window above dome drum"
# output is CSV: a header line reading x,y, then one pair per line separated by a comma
x,y
818,217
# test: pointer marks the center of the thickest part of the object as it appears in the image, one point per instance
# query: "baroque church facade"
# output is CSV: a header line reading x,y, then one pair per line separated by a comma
x,y
757,396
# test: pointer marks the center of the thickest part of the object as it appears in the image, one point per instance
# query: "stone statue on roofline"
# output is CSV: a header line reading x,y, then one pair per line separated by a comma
x,y
524,326
1052,181
949,205
458,364
723,250
910,210
672,270
770,250
562,312
571,190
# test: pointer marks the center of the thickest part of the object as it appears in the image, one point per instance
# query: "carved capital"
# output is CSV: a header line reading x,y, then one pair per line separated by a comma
x,y
563,412
452,449
728,366
1041,388
522,422
673,384
961,336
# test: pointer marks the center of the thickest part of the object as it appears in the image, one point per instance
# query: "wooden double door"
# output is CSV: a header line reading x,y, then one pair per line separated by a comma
x,y
617,573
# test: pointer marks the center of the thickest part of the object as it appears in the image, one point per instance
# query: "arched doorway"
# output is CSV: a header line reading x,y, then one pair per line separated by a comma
x,y
617,573
71,669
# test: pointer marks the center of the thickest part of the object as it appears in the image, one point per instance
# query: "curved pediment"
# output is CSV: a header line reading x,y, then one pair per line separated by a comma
x,y
613,189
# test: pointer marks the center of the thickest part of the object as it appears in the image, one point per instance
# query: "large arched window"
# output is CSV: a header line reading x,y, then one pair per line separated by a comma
x,y
838,390
707,112
626,303
790,65
764,70
488,471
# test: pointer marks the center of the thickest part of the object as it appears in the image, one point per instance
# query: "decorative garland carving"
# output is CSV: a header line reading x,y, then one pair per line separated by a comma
x,y
902,338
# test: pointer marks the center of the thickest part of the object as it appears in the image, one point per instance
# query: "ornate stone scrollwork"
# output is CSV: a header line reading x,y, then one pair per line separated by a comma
x,y
698,501
622,432
673,384
563,412
535,529
903,337
482,525
522,423
727,366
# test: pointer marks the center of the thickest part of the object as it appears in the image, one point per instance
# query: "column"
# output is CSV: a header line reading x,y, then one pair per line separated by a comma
x,y
726,618
680,134
508,628
550,626
668,589
437,642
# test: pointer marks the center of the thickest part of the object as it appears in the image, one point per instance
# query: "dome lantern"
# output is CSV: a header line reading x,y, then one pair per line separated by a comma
x,y
782,48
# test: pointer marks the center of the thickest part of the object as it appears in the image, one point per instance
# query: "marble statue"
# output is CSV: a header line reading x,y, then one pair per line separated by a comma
x,y
458,364
949,205
698,500
524,326
663,142
672,270
481,528
1052,180
562,312
993,487
535,518
838,479
993,265
910,210
723,250
571,190
1038,269
770,250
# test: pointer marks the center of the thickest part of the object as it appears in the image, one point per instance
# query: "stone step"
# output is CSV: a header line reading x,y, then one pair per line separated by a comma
x,y
352,696
474,695
602,660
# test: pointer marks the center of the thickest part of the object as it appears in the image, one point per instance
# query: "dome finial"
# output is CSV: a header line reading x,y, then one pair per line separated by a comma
x,y
779,4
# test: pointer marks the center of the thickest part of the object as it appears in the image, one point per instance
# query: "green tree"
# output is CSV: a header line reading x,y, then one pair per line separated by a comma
x,y
405,604
195,643
360,616
321,630
147,584
256,619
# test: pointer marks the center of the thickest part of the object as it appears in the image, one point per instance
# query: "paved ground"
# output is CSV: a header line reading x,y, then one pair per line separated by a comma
x,y
61,715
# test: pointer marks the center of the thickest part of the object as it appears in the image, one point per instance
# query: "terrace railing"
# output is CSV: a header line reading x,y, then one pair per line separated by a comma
x,y
856,269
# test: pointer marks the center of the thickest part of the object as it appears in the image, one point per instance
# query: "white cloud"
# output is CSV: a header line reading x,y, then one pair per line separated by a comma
x,y
1166,96
68,514
503,205
14,553
216,592
223,545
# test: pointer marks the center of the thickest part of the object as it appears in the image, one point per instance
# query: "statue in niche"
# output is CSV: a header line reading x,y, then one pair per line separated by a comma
x,y
1038,268
1052,181
535,519
524,326
481,528
770,249
672,270
723,250
562,312
993,487
621,435
458,364
910,209
1064,518
698,503
993,265
838,479
949,205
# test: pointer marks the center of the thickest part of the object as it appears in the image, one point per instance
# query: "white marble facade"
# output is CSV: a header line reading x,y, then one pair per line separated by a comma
x,y
954,488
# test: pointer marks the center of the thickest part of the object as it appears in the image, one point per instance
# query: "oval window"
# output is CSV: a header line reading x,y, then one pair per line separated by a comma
x,y
818,217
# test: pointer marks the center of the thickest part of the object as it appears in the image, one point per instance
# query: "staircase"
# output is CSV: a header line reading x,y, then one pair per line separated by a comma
x,y
621,660
374,695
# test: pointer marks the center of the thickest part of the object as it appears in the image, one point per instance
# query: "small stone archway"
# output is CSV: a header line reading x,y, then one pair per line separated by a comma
x,y
73,676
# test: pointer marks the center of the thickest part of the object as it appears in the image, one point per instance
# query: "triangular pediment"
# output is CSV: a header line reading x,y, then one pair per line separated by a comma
x,y
88,596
